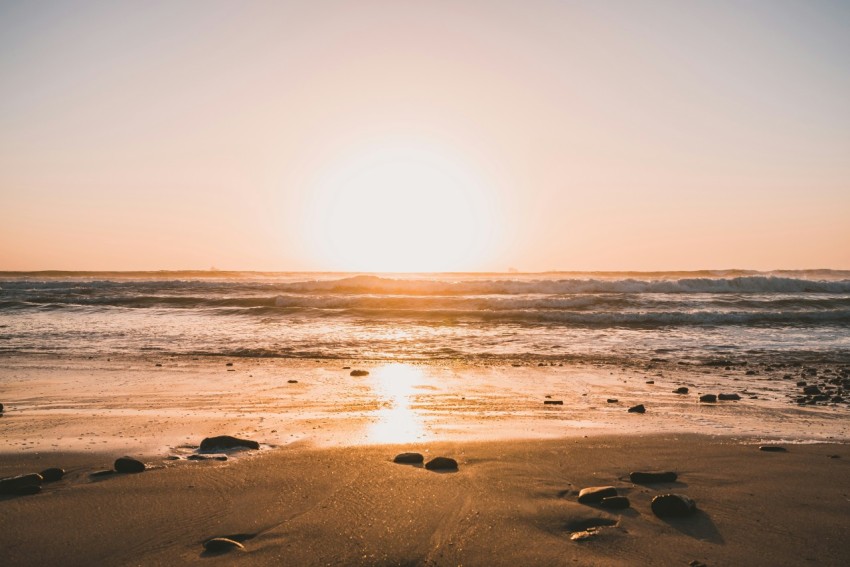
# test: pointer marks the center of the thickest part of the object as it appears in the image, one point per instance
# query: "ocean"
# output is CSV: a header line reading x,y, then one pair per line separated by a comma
x,y
708,317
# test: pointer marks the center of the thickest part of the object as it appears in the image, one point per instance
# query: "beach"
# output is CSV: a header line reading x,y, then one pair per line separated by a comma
x,y
323,487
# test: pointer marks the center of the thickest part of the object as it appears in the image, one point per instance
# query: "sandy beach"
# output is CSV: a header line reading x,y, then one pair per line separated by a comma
x,y
323,489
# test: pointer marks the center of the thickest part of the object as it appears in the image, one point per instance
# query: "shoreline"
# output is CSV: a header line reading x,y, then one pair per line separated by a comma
x,y
152,404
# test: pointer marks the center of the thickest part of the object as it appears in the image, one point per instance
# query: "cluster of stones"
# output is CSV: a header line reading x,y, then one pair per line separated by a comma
x,y
827,387
712,398
439,464
664,505
29,483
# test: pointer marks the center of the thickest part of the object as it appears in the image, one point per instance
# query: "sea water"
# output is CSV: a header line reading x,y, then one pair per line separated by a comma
x,y
708,316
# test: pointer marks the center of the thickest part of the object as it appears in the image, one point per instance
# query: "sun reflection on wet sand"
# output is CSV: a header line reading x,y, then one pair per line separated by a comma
x,y
396,421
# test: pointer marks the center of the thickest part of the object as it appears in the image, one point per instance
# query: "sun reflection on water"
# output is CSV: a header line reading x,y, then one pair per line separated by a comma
x,y
396,421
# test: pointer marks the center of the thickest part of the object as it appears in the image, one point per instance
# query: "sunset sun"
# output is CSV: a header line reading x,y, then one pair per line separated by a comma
x,y
400,209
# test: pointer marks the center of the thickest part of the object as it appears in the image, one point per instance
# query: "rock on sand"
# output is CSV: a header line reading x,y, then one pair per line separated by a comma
x,y
441,464
595,494
220,544
672,505
409,458
359,373
128,465
52,474
22,484
227,442
651,477
637,409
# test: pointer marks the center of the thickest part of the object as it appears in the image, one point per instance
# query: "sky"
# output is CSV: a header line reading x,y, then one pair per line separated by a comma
x,y
424,136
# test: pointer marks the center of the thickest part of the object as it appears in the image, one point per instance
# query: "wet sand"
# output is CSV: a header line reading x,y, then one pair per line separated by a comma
x,y
510,503
323,488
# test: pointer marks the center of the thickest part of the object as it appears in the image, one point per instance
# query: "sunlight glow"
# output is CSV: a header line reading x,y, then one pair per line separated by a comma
x,y
397,421
400,208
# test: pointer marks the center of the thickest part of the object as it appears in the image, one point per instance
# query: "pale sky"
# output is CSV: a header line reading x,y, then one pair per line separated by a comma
x,y
422,135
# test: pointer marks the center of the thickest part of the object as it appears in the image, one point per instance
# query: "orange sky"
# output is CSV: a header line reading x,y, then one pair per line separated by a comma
x,y
396,136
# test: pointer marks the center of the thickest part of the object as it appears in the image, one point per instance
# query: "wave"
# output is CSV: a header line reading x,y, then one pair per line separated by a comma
x,y
744,284
413,303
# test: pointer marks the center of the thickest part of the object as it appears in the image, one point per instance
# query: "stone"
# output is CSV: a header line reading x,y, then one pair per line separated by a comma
x,y
553,402
728,397
812,390
640,477
229,364
441,464
612,400
615,502
359,373
227,442
128,465
292,381
21,484
1,407
198,458
650,381
681,390
751,372
52,474
672,506
595,494
221,544
773,449
410,459
637,409
708,398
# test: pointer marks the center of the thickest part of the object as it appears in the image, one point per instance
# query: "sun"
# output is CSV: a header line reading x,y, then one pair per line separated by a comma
x,y
400,208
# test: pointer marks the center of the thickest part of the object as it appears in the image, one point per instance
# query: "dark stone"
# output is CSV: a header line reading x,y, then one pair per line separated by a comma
x,y
801,383
650,381
292,381
227,442
637,409
409,458
128,465
728,397
221,544
751,372
553,402
52,474
158,364
708,398
681,390
672,505
359,373
229,364
441,464
612,400
652,477
346,368
812,390
172,458
220,457
773,449
615,502
1,407
198,458
21,484
595,494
